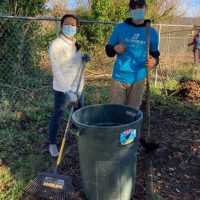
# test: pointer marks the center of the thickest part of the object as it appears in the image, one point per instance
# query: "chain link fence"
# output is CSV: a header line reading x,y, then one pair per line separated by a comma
x,y
176,56
25,72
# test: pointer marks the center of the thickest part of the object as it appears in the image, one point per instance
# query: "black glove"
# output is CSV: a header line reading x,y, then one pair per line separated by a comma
x,y
86,57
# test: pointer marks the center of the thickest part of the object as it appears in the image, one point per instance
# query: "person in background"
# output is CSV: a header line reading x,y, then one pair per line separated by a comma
x,y
128,42
196,48
66,62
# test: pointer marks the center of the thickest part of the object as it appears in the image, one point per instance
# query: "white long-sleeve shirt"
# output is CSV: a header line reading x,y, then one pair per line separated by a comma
x,y
66,63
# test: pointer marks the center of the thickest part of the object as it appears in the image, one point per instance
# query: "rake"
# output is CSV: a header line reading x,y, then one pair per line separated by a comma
x,y
52,185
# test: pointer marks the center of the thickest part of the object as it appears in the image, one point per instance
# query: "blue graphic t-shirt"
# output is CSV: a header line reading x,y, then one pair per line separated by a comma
x,y
130,65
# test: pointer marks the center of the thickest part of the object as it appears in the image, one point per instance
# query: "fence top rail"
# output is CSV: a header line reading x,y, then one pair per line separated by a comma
x,y
174,37
54,19
85,21
29,18
174,25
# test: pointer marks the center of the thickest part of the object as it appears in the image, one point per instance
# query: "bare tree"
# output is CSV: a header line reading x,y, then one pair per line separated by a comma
x,y
164,10
58,7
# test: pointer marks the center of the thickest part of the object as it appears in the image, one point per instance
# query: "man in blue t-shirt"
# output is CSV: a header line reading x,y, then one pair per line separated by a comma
x,y
128,41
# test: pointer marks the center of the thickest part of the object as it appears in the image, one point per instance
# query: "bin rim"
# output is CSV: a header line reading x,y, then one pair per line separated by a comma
x,y
81,125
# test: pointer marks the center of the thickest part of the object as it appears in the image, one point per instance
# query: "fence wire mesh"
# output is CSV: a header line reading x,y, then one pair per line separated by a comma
x,y
25,72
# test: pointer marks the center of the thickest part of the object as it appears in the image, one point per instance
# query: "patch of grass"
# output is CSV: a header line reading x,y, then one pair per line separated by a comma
x,y
97,93
185,73
10,188
23,149
157,197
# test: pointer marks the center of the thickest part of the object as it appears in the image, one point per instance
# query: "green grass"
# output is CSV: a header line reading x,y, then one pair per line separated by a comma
x,y
97,93
11,188
157,197
22,150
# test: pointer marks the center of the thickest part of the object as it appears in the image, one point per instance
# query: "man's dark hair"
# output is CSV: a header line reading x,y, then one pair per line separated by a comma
x,y
69,15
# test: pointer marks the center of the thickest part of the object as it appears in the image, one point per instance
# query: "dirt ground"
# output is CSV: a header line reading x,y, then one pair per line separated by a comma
x,y
176,163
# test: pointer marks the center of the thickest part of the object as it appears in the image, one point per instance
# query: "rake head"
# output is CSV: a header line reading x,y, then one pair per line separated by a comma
x,y
50,186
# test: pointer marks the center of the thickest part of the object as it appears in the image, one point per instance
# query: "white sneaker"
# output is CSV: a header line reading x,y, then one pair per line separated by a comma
x,y
53,150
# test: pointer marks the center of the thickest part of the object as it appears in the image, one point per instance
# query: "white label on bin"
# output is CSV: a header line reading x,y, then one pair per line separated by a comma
x,y
128,136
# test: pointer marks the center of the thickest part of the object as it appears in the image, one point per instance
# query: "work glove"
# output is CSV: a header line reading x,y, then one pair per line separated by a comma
x,y
73,98
86,57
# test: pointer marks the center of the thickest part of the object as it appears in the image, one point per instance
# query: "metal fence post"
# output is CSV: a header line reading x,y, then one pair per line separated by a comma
x,y
184,45
159,38
57,26
169,43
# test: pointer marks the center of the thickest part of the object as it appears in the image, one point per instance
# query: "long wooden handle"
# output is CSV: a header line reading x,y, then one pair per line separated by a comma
x,y
149,183
148,111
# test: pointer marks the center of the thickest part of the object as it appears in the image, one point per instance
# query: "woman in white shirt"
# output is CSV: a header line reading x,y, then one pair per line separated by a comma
x,y
66,63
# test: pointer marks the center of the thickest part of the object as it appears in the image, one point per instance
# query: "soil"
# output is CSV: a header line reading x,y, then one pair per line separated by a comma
x,y
176,163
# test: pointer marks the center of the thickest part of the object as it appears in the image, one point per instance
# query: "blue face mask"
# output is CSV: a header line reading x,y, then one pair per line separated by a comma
x,y
69,30
138,14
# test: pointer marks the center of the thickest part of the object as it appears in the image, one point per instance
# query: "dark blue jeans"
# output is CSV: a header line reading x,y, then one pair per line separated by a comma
x,y
61,102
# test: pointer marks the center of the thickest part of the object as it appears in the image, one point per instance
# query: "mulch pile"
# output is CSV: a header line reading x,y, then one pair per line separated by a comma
x,y
190,90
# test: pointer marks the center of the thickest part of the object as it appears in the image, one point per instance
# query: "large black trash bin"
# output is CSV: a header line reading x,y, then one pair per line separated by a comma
x,y
108,141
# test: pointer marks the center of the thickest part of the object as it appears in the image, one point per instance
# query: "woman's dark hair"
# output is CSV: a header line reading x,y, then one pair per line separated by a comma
x,y
69,15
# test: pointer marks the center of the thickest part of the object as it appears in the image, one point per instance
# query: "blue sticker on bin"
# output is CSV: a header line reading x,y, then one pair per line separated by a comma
x,y
127,136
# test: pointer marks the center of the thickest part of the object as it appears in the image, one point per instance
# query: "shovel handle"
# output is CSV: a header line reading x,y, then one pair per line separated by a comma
x,y
148,114
149,160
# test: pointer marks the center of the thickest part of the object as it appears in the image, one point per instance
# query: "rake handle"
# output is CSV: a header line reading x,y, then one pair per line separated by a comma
x,y
68,123
64,139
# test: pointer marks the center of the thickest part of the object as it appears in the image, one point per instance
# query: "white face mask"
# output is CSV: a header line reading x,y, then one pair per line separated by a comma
x,y
138,14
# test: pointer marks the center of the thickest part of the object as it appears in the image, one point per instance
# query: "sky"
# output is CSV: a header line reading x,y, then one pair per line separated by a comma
x,y
191,6
72,4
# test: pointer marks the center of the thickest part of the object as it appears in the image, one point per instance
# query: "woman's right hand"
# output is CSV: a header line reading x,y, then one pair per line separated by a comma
x,y
73,98
120,48
86,58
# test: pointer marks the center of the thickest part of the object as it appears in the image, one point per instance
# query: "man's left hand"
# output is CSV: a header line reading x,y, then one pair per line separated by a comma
x,y
151,62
